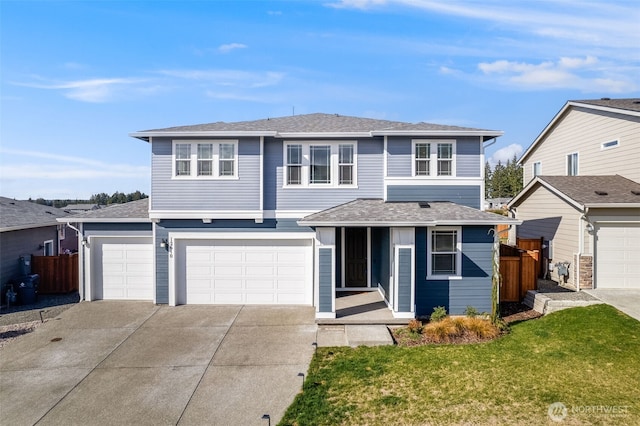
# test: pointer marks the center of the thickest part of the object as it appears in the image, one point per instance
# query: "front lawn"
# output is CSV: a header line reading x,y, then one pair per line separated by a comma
x,y
586,358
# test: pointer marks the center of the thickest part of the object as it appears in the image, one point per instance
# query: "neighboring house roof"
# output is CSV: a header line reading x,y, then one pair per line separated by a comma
x,y
16,215
588,191
628,106
315,124
81,207
377,212
134,211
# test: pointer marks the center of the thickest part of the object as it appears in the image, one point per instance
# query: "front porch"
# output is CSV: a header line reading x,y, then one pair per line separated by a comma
x,y
364,307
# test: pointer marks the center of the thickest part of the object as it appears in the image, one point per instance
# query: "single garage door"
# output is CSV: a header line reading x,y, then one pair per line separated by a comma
x,y
246,272
123,268
618,256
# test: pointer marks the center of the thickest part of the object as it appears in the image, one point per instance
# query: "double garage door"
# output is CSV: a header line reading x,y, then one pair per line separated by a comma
x,y
618,256
248,271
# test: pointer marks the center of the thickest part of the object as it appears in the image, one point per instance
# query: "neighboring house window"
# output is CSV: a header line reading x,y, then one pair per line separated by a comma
x,y
610,144
48,248
294,164
445,159
183,159
572,164
309,164
345,164
422,154
537,169
440,153
444,248
205,159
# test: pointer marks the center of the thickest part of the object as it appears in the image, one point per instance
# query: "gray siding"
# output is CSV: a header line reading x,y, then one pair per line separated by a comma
x,y
118,229
369,179
206,194
399,157
325,267
468,162
466,195
474,289
404,280
14,244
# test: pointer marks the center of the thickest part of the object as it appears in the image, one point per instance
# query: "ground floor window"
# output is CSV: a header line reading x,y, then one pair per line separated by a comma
x,y
444,252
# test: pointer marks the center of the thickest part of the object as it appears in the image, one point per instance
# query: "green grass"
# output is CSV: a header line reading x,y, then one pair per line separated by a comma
x,y
583,357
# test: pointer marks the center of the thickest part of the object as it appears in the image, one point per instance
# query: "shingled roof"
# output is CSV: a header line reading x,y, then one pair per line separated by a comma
x,y
313,124
133,211
17,214
377,212
629,104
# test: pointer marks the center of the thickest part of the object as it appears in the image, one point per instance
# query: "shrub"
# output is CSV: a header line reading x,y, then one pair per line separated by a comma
x,y
415,326
471,312
481,328
442,331
439,313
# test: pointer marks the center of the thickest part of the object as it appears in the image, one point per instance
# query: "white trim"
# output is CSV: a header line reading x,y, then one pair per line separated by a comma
x,y
443,133
343,258
615,144
44,248
287,214
433,181
458,254
433,157
444,222
323,134
577,163
215,159
72,219
261,203
385,159
204,214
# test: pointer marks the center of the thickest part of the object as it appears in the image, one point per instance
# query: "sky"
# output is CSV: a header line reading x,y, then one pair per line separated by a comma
x,y
77,77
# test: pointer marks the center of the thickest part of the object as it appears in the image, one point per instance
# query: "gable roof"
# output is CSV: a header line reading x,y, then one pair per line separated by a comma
x,y
377,212
133,211
17,214
317,124
628,106
612,191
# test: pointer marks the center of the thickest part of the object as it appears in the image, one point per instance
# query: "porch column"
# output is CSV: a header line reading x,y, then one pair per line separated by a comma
x,y
403,270
325,273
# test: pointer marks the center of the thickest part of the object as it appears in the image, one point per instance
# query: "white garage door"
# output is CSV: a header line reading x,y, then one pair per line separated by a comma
x,y
246,272
618,256
124,268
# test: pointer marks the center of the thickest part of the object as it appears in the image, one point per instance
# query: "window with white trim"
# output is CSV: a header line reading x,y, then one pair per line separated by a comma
x,y
572,164
434,157
537,168
47,248
444,252
212,159
320,164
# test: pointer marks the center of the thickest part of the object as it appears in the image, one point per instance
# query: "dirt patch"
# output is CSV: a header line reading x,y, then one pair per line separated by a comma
x,y
516,312
9,333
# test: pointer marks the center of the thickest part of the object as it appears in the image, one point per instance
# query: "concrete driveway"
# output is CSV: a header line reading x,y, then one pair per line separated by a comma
x,y
137,363
625,300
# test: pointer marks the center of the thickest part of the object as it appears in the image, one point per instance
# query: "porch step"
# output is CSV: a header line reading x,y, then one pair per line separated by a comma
x,y
353,335
545,305
362,321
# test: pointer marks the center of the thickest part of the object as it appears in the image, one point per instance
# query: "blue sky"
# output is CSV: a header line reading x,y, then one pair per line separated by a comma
x,y
77,77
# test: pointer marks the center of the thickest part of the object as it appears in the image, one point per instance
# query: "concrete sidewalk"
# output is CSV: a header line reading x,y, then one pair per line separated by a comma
x,y
136,363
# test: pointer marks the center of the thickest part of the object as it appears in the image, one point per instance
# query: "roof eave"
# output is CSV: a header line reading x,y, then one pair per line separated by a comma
x,y
484,133
498,221
103,220
27,226
613,205
146,136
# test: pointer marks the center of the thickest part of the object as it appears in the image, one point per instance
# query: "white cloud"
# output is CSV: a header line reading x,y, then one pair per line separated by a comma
x,y
505,154
237,78
97,90
226,48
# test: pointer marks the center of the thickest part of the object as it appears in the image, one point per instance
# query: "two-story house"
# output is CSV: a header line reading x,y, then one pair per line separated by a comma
x,y
582,193
292,210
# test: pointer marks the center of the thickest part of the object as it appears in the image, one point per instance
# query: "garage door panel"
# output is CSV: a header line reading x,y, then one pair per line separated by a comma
x,y
618,256
247,271
124,268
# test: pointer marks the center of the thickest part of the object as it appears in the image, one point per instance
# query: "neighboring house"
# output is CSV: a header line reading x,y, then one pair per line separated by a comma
x,y
27,229
292,210
80,208
581,195
496,203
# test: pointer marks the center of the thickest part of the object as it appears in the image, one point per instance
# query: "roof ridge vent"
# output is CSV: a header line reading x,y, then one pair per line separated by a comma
x,y
601,192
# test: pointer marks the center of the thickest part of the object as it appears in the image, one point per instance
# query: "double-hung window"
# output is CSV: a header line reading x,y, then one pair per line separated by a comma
x,y
537,169
572,164
444,249
320,164
434,157
205,159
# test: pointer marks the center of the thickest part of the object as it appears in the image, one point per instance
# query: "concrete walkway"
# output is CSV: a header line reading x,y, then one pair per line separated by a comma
x,y
625,300
136,363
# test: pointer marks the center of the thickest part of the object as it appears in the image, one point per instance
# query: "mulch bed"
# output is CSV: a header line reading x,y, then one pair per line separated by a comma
x,y
516,312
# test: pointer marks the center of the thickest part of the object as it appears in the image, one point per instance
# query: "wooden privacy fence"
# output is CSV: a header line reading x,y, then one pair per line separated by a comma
x,y
518,271
58,274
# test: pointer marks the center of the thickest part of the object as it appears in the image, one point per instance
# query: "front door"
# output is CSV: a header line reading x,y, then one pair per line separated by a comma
x,y
355,257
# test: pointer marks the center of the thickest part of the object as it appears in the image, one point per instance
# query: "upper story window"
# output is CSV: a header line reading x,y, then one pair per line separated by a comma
x,y
321,164
440,153
444,258
572,164
205,159
537,169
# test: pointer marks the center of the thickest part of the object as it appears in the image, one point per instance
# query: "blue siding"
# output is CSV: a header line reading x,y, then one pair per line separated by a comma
x,y
474,289
369,178
380,259
466,195
325,267
206,194
399,157
468,162
117,228
404,280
